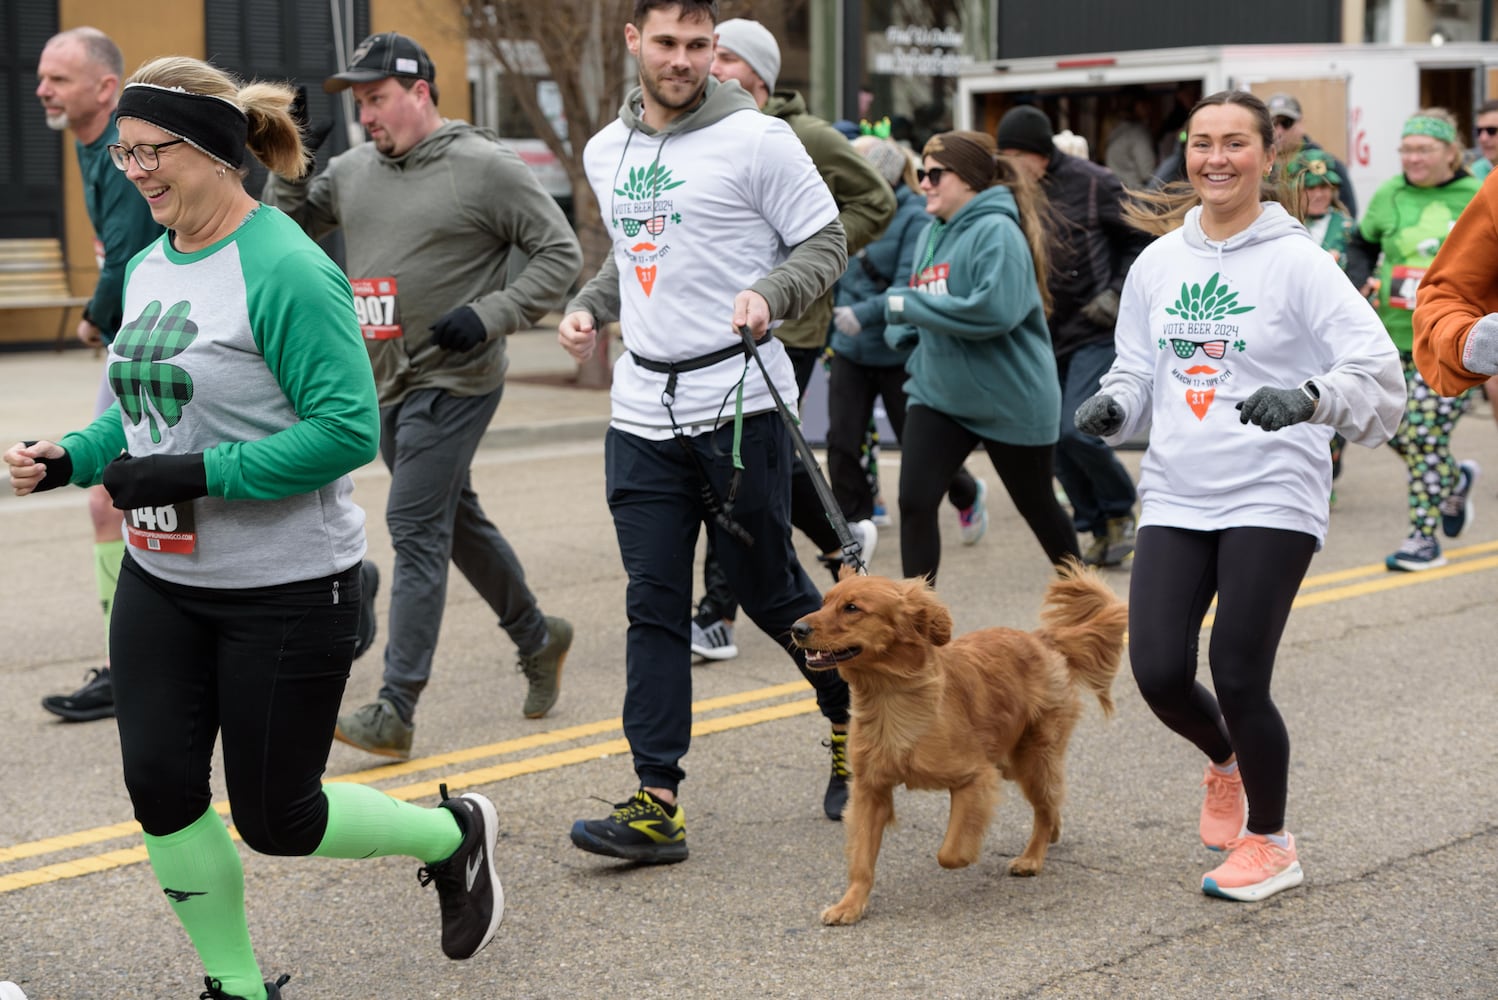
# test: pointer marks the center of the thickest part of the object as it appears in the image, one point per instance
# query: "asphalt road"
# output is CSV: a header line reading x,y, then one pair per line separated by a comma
x,y
1385,680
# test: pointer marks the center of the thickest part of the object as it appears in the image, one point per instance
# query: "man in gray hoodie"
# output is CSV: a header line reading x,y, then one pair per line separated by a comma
x,y
719,221
431,209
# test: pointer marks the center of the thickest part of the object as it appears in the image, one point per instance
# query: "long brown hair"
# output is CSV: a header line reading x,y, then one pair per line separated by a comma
x,y
1033,212
1160,212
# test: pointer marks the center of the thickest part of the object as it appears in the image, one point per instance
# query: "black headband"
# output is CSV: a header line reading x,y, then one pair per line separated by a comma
x,y
210,124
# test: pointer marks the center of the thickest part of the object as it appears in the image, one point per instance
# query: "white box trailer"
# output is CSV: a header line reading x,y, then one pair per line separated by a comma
x,y
1354,97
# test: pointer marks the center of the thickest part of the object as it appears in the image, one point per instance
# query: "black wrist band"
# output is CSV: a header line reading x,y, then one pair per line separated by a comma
x,y
59,471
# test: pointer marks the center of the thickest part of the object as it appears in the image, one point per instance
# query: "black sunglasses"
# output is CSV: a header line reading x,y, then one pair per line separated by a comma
x,y
933,175
1284,123
1487,130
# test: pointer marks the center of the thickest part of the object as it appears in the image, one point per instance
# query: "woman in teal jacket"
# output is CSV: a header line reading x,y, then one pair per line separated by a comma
x,y
982,369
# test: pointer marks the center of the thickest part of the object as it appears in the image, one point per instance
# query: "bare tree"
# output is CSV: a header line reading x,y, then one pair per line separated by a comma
x,y
581,43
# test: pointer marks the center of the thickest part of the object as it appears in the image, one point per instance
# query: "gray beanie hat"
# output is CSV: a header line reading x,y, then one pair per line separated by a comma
x,y
885,156
1026,127
753,43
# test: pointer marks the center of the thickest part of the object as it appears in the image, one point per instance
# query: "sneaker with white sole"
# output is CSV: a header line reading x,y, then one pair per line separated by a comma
x,y
1415,554
713,641
1456,510
10,991
973,520
1256,868
867,534
881,516
468,889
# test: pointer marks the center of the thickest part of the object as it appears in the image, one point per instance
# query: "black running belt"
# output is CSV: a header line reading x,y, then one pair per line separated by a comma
x,y
852,550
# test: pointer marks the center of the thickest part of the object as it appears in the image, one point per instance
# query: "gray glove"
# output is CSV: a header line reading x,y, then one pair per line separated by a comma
x,y
846,323
1102,310
1276,409
1101,415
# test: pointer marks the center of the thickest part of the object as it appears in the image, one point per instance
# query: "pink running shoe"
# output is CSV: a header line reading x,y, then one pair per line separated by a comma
x,y
1224,810
1256,868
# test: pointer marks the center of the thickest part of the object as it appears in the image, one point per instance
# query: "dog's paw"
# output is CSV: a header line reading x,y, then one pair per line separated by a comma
x,y
1024,867
842,914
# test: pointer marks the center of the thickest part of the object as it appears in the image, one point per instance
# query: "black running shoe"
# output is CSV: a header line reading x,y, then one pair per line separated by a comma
x,y
369,586
835,799
638,830
95,700
215,990
468,889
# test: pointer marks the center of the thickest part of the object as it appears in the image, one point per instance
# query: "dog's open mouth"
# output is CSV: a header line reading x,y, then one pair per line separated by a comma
x,y
826,659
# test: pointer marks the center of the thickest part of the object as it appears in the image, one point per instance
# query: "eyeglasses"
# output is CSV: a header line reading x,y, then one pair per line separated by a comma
x,y
1284,123
147,155
1488,130
655,225
933,175
1211,348
1420,150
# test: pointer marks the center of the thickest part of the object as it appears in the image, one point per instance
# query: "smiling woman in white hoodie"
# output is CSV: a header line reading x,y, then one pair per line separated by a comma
x,y
1233,325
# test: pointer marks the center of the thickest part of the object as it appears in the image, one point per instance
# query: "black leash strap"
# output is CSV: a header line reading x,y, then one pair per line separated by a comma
x,y
852,550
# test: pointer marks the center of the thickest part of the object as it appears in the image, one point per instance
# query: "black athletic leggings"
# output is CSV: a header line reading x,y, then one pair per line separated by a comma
x,y
264,666
933,448
1254,573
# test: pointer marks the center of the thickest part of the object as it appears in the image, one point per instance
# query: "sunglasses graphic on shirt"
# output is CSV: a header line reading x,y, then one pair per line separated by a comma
x,y
1186,348
654,225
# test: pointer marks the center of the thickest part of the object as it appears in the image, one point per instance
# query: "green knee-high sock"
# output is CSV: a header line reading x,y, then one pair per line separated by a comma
x,y
107,556
366,823
200,872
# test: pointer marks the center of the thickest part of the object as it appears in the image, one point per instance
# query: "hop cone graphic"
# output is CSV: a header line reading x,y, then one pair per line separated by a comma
x,y
1211,301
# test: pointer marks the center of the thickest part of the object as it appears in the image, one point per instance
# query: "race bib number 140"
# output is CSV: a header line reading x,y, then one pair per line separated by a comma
x,y
377,308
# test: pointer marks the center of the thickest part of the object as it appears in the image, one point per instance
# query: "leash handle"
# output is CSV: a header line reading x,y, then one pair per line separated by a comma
x,y
852,550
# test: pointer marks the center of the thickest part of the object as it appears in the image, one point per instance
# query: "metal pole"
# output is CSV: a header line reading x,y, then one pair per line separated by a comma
x,y
852,46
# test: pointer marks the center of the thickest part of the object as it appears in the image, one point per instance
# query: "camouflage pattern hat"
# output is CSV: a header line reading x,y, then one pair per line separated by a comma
x,y
1314,168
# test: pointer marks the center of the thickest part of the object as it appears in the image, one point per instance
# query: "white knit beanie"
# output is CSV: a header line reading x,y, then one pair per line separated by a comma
x,y
885,156
753,43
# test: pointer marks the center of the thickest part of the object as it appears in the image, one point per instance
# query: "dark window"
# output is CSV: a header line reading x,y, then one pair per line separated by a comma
x,y
31,167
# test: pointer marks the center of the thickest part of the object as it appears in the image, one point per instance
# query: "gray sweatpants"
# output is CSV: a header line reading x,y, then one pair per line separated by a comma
x,y
428,440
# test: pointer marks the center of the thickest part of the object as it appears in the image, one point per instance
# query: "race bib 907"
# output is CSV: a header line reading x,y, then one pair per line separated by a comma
x,y
378,309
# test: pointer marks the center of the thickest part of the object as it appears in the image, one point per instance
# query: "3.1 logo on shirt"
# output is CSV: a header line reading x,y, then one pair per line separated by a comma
x,y
377,307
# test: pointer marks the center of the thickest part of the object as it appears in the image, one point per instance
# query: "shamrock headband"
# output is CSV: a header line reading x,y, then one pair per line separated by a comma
x,y
879,130
1434,127
211,125
1313,171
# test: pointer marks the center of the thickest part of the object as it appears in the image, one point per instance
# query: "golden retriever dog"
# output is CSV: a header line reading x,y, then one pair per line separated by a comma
x,y
934,712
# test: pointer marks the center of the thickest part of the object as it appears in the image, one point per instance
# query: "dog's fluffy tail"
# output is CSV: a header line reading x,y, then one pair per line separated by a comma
x,y
1085,622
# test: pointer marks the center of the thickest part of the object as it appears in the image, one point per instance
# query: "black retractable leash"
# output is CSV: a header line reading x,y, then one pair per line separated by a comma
x,y
852,550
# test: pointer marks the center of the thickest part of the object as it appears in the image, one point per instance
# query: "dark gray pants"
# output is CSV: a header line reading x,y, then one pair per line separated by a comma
x,y
428,440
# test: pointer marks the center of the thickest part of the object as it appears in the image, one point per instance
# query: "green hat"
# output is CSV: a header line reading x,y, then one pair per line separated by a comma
x,y
1314,168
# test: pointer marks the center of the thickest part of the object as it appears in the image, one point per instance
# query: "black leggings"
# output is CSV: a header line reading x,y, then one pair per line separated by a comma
x,y
1254,573
264,666
932,450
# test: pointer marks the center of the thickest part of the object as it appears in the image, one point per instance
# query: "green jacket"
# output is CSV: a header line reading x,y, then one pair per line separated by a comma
x,y
865,203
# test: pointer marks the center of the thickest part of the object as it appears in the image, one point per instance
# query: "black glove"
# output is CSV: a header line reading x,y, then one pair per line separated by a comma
x,y
59,471
460,330
1276,409
1101,415
1102,310
155,480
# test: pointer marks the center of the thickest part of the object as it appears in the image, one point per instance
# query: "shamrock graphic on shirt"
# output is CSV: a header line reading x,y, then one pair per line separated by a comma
x,y
648,211
147,386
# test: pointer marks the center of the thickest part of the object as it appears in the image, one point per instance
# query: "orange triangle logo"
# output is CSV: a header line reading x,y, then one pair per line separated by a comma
x,y
1200,401
646,275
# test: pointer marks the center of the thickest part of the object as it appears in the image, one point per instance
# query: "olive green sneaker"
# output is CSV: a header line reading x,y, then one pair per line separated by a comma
x,y
543,668
378,729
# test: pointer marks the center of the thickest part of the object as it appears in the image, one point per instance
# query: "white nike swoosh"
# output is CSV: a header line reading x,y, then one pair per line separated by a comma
x,y
473,869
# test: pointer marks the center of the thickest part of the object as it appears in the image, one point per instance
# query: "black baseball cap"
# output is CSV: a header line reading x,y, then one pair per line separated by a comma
x,y
378,56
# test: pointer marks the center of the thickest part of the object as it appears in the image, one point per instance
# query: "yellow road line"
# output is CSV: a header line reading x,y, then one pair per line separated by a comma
x,y
1374,579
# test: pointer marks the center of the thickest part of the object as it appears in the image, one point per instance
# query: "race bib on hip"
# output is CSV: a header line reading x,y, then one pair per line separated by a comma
x,y
1404,281
169,529
377,307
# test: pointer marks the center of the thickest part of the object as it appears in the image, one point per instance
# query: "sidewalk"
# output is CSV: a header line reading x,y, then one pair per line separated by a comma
x,y
47,393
